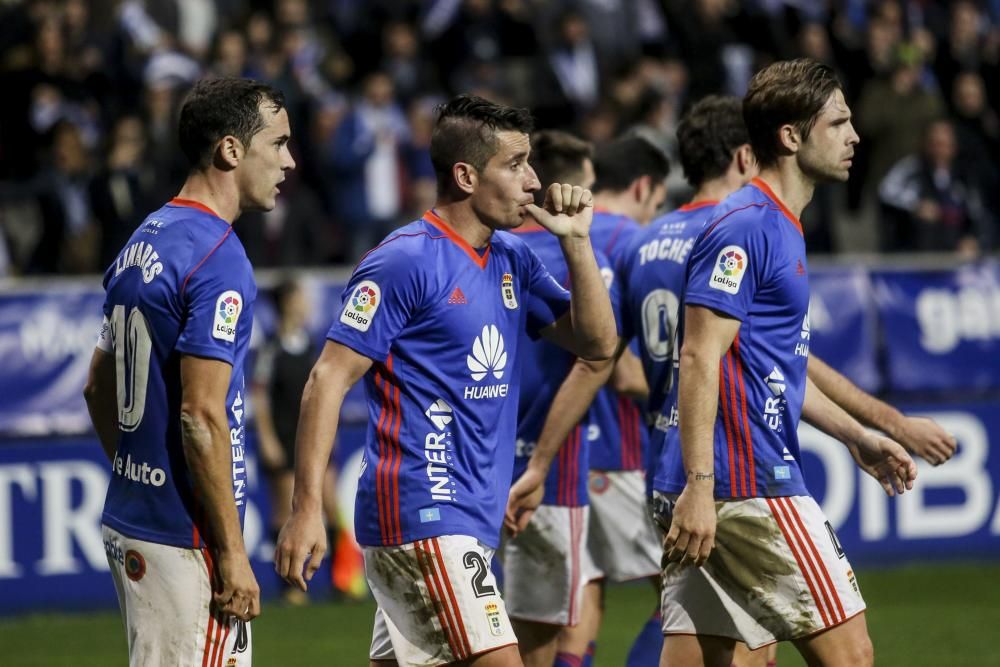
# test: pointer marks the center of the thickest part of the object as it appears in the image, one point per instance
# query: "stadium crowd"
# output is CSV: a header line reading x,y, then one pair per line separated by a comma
x,y
92,90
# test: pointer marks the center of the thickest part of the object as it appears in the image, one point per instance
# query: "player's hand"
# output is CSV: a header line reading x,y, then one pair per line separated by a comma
x,y
567,212
886,461
692,527
525,496
235,592
925,438
301,545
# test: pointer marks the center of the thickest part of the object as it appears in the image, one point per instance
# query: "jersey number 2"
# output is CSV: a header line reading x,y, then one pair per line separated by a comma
x,y
133,345
473,560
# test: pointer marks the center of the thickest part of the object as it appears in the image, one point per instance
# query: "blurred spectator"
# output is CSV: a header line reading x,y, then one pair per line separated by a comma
x,y
366,176
421,181
978,130
933,202
411,75
894,113
123,191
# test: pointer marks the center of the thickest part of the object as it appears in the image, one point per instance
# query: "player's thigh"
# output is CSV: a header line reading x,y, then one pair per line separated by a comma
x,y
845,645
744,657
696,651
439,599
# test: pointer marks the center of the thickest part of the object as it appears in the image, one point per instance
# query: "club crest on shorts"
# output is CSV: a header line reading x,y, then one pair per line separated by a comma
x,y
135,565
493,618
507,291
361,306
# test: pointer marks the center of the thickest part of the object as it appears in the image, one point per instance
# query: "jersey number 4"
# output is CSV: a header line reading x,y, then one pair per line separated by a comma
x,y
133,345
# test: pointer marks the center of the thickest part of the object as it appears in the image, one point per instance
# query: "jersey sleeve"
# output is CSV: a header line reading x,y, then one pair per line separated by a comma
x,y
546,300
214,298
380,299
726,267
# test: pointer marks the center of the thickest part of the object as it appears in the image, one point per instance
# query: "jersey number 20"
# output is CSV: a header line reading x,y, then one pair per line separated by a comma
x,y
133,345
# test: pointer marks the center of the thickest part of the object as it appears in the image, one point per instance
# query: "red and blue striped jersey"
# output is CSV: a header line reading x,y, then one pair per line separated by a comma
x,y
616,429
750,264
545,366
443,322
181,285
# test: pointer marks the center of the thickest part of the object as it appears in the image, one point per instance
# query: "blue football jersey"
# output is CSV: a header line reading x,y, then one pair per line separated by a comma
x,y
616,428
544,367
652,273
750,263
182,285
443,324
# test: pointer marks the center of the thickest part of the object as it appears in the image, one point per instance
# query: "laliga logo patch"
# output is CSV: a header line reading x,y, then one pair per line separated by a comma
x,y
135,565
729,269
507,291
227,311
362,305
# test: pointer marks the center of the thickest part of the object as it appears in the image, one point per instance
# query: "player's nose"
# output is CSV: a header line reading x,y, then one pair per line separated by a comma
x,y
532,183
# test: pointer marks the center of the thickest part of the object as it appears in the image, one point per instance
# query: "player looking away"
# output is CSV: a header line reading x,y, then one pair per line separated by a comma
x,y
165,389
431,320
742,390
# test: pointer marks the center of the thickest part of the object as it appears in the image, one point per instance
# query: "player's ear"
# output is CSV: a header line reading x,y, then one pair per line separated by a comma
x,y
789,138
641,189
229,152
745,160
465,176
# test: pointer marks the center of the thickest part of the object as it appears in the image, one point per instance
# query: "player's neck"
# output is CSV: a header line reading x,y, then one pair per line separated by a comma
x,y
615,203
461,218
715,189
790,185
215,193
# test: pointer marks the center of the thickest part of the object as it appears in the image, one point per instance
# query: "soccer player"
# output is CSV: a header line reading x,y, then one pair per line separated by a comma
x,y
432,319
544,565
165,390
734,471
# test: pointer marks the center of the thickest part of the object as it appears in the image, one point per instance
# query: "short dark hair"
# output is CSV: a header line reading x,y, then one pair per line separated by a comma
x,y
786,92
708,135
216,108
465,131
618,163
557,157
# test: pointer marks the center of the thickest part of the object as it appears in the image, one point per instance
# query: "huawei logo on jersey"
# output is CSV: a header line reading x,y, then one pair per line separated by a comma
x,y
487,354
488,357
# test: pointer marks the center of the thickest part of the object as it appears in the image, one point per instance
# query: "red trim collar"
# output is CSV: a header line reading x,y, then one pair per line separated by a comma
x,y
190,203
769,193
432,218
695,205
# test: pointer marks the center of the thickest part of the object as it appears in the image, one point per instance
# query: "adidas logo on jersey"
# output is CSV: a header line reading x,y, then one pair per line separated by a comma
x,y
457,297
439,413
488,357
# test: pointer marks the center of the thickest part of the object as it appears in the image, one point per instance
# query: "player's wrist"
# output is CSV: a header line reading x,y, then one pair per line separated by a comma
x,y
701,478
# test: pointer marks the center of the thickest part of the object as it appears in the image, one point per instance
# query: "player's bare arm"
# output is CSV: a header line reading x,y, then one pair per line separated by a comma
x,y
629,378
707,336
920,435
302,541
880,457
100,394
569,405
588,330
205,440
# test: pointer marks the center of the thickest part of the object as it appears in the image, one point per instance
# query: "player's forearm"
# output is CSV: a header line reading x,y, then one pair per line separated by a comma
x,y
569,406
590,306
205,440
319,417
100,394
629,378
864,407
821,412
698,404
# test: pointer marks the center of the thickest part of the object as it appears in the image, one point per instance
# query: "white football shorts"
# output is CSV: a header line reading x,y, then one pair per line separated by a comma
x,y
164,593
623,541
438,601
777,573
